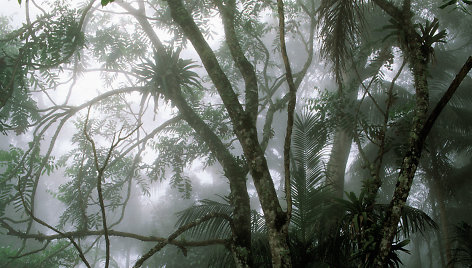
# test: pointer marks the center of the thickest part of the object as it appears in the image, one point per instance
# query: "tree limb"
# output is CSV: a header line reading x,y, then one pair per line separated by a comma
x,y
445,98
84,233
178,232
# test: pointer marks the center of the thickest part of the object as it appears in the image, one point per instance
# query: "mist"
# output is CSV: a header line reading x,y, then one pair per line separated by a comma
x,y
307,133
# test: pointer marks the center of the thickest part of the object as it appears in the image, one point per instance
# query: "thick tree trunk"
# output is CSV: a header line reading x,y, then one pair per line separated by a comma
x,y
241,240
336,168
246,132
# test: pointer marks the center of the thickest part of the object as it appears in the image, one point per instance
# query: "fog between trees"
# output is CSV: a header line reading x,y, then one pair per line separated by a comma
x,y
305,133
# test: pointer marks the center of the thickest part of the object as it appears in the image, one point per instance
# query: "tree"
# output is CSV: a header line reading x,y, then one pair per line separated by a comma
x,y
246,79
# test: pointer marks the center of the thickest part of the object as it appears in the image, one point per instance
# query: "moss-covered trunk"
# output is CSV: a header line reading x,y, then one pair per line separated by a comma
x,y
415,146
417,59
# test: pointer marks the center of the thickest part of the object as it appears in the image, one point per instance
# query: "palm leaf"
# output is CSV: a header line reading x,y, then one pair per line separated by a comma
x,y
412,220
214,228
308,143
340,26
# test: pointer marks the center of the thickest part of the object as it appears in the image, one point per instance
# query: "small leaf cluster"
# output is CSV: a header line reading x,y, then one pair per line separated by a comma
x,y
19,172
56,255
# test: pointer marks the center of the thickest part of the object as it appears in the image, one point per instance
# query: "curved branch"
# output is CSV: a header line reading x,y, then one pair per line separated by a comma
x,y
178,232
84,233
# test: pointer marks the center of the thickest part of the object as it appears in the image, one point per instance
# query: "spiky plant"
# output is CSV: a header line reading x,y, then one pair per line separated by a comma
x,y
155,74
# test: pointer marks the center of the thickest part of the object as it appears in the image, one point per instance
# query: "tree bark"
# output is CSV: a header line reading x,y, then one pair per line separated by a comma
x,y
236,174
418,65
336,168
241,240
411,159
246,132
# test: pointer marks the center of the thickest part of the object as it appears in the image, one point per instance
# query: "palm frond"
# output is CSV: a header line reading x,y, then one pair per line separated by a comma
x,y
214,228
412,220
341,23
309,140
462,252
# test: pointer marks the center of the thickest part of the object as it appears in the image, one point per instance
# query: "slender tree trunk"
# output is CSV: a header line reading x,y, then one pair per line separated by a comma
x,y
436,191
440,250
417,253
434,207
446,241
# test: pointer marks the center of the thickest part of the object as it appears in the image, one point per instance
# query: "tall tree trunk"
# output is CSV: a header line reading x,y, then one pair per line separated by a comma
x,y
246,132
438,193
348,89
417,253
446,239
434,207
418,59
236,174
436,190
336,168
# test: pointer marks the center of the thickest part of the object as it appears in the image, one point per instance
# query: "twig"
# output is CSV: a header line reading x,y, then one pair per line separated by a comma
x,y
101,171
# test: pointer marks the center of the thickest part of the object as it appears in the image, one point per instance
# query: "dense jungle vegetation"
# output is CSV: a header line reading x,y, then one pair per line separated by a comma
x,y
224,133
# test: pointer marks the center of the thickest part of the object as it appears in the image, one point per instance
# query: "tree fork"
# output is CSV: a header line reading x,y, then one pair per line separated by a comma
x,y
246,133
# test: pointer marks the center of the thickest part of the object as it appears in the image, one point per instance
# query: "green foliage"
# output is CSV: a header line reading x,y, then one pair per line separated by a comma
x,y
81,187
176,151
363,221
20,110
463,245
19,172
156,72
17,109
106,2
214,228
52,39
56,255
115,47
341,24
430,36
